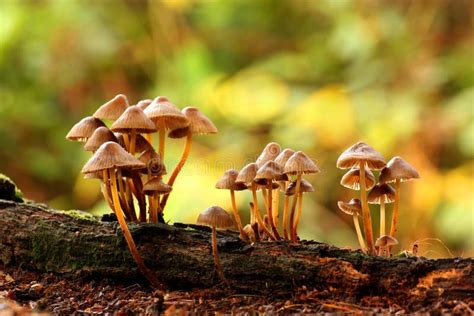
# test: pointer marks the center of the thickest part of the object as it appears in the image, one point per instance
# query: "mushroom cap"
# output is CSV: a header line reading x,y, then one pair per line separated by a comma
x,y
133,118
153,163
397,168
381,193
248,229
354,206
113,108
264,186
111,155
300,163
163,113
198,122
270,152
247,174
351,179
84,129
156,185
358,152
179,133
100,136
217,217
386,240
227,181
94,175
283,157
305,187
268,172
141,144
143,104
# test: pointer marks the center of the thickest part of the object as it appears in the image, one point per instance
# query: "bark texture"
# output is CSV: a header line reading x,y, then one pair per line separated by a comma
x,y
75,243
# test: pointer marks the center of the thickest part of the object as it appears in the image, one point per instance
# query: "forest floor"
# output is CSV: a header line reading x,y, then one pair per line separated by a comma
x,y
24,292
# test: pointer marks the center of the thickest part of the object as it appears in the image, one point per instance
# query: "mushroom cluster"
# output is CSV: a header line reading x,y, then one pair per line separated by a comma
x,y
271,174
361,160
130,169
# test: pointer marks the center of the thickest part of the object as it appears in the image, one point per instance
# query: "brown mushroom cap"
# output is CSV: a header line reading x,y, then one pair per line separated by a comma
x,y
354,206
351,179
381,193
217,217
179,133
227,181
141,144
300,163
84,129
163,113
283,157
198,122
268,172
397,168
113,108
133,118
358,152
100,136
143,104
156,185
247,174
270,152
111,155
386,240
305,187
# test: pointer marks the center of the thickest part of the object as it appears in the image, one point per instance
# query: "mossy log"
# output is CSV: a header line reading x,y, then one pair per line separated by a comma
x,y
34,237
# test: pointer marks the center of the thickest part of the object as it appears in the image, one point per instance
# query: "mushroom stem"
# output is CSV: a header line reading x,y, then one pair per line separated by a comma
x,y
293,206
265,197
359,233
367,220
162,132
151,205
149,137
128,237
297,217
217,261
270,212
133,140
393,228
131,205
237,216
382,217
126,141
179,166
123,194
256,211
285,215
276,206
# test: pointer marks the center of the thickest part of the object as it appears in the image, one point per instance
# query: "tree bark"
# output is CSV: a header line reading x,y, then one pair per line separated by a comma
x,y
35,237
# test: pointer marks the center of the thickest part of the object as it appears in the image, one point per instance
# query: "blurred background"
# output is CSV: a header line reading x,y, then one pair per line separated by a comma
x,y
315,76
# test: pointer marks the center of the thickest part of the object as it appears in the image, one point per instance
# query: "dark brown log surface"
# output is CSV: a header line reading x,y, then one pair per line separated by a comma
x,y
34,237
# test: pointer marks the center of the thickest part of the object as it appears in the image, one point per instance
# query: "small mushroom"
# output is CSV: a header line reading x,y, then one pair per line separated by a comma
x,y
216,217
384,243
305,187
82,130
227,182
397,170
361,155
281,159
270,152
354,208
298,164
143,104
381,194
248,229
351,179
155,187
113,108
100,136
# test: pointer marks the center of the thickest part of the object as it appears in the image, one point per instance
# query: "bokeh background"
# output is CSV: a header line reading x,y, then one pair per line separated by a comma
x,y
313,75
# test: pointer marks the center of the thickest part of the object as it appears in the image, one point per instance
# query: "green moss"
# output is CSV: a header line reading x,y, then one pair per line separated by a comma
x,y
9,190
79,215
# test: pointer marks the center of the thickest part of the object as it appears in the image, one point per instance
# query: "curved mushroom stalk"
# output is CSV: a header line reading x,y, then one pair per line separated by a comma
x,y
367,220
293,208
294,238
285,215
382,217
363,247
257,215
393,229
237,216
217,261
270,212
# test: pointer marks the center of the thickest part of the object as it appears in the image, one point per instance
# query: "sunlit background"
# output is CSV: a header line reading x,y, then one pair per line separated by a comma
x,y
312,75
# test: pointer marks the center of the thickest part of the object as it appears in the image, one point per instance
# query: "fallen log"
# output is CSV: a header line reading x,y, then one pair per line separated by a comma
x,y
75,243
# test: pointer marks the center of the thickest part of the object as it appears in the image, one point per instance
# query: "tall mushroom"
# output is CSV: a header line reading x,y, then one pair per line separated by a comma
x,y
281,159
109,158
381,194
216,217
305,187
132,121
83,130
165,116
199,124
265,176
298,164
361,155
397,170
227,182
354,208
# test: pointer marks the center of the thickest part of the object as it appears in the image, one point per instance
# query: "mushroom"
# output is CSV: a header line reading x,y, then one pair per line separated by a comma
x,y
82,130
361,155
143,104
351,179
298,164
154,168
248,229
354,208
227,182
100,136
199,124
384,243
381,194
305,187
155,187
270,152
131,122
397,170
109,158
165,116
112,109
216,217
141,144
281,159
265,176
247,176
